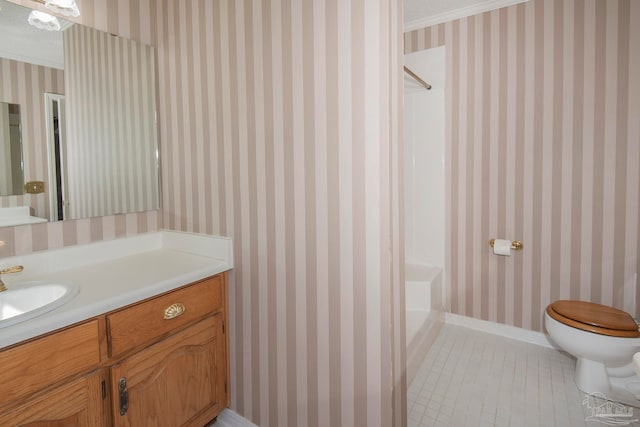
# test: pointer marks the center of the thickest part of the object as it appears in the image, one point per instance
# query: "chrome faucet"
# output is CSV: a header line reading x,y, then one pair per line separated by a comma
x,y
14,269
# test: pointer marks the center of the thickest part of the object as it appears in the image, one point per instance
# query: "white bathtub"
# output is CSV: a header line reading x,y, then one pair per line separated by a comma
x,y
424,312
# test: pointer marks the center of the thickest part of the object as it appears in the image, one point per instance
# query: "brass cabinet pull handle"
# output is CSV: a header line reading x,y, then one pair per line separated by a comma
x,y
174,310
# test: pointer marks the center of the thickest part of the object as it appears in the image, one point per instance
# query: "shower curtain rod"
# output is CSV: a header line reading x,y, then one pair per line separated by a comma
x,y
422,83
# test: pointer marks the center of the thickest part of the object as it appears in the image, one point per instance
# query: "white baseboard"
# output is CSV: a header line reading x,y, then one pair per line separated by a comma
x,y
507,331
420,345
229,418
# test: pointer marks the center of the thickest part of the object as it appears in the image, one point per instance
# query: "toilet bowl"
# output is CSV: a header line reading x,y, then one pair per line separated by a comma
x,y
603,340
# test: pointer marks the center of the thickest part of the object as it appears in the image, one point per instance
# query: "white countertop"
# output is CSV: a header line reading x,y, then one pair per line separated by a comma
x,y
115,273
18,215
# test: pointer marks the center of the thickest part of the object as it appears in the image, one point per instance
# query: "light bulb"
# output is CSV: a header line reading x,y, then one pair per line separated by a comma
x,y
63,7
43,21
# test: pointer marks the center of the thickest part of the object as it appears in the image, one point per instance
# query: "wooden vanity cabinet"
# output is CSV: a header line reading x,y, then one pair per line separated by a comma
x,y
179,379
159,362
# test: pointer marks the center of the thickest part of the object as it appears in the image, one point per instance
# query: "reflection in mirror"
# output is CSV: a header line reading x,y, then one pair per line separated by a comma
x,y
111,136
110,133
11,176
57,149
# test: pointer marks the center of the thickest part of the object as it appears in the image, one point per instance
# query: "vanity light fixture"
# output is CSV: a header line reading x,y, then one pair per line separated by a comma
x,y
63,7
43,21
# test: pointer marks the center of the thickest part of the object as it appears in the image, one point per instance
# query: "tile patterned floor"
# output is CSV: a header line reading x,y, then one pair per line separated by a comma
x,y
471,378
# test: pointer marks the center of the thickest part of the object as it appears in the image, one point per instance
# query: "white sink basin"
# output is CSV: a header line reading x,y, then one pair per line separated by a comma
x,y
23,302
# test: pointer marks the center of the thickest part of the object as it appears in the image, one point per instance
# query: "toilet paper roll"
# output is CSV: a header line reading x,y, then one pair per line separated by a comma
x,y
502,247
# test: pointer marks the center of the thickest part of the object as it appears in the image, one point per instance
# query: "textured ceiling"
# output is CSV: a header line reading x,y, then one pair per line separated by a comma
x,y
23,42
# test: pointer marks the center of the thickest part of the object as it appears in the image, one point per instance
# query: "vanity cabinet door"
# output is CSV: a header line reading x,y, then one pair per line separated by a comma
x,y
79,403
178,381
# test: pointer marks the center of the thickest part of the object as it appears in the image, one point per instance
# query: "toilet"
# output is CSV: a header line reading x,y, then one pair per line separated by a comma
x,y
604,340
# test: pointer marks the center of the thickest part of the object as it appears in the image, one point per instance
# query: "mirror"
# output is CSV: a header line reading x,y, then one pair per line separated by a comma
x,y
108,138
11,176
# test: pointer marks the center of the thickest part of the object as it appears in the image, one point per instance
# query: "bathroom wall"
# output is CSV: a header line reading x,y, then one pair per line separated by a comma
x,y
281,133
25,84
544,144
281,127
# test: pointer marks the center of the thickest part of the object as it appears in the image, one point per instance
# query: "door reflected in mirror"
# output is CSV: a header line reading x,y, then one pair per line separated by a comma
x,y
56,150
11,168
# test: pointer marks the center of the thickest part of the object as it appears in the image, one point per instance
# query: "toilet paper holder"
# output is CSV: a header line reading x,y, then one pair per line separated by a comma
x,y
516,245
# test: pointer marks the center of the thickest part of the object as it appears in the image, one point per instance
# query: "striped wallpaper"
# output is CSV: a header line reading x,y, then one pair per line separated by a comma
x,y
280,127
111,124
543,132
25,239
279,133
25,84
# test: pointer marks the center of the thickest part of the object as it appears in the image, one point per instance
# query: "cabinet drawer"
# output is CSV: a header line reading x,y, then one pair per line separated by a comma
x,y
143,322
30,367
